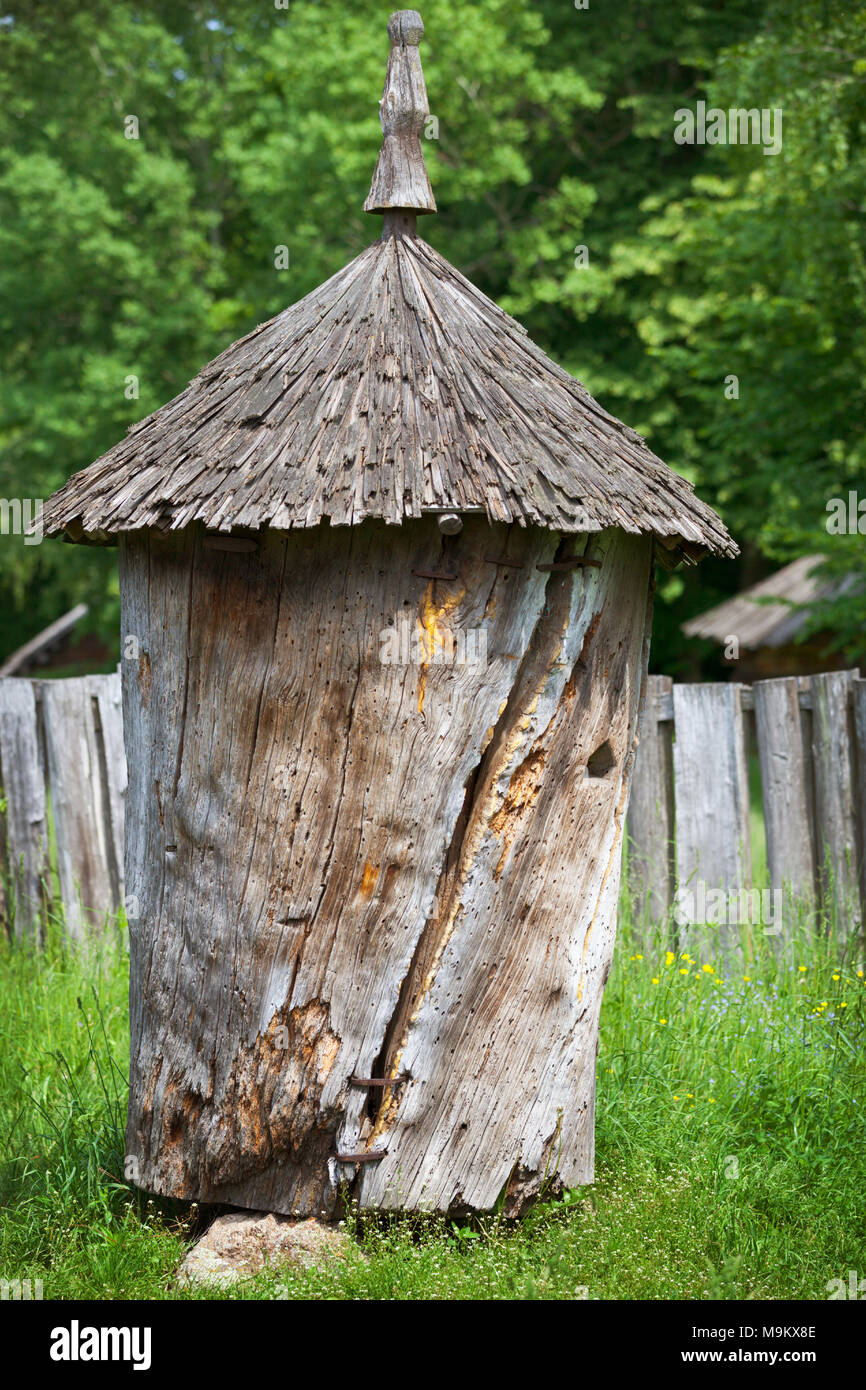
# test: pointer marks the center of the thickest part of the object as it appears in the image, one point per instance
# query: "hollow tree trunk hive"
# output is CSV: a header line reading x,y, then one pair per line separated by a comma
x,y
378,759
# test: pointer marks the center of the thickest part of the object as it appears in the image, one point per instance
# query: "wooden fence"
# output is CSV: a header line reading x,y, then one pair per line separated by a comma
x,y
63,779
689,816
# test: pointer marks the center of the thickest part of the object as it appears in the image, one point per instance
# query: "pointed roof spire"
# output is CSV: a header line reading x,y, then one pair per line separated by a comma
x,y
400,182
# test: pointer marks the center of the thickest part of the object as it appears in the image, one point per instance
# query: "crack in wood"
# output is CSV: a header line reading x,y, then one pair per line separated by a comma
x,y
540,653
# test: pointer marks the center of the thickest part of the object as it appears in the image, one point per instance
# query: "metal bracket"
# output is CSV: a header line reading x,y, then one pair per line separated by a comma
x,y
379,1080
576,562
361,1157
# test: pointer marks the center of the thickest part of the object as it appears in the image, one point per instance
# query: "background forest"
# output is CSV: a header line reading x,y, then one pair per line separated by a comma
x,y
126,263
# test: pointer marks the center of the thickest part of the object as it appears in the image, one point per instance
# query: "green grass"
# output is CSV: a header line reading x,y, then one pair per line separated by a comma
x,y
730,1154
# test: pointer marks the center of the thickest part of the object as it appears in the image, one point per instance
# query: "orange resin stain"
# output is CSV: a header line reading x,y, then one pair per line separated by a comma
x,y
368,882
435,633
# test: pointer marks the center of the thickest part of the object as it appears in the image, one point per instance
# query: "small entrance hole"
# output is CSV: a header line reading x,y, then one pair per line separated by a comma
x,y
601,761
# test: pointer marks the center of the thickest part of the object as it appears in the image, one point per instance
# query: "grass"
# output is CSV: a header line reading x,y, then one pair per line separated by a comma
x,y
730,1154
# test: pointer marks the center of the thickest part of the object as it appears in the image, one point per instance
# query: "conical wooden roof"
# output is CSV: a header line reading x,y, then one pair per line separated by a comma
x,y
396,388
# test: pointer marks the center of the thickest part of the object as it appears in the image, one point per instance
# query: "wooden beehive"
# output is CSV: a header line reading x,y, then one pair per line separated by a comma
x,y
388,571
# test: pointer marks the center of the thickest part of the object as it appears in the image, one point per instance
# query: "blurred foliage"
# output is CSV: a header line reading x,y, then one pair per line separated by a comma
x,y
258,127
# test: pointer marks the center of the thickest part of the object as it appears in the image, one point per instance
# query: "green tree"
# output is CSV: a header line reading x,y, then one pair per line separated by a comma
x,y
759,273
257,129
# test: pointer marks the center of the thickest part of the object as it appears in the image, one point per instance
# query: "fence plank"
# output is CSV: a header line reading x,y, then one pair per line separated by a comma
x,y
712,807
651,810
785,753
79,802
109,716
835,800
23,783
859,698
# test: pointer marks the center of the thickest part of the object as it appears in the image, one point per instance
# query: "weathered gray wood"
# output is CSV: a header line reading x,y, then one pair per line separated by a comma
x,y
838,848
500,1027
666,702
80,801
711,788
356,867
108,715
400,180
651,812
783,730
858,694
397,389
23,784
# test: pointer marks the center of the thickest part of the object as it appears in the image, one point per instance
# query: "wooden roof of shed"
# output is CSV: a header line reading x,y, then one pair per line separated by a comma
x,y
769,613
394,389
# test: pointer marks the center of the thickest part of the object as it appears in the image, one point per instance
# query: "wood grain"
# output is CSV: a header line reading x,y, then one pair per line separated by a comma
x,y
400,180
353,867
108,718
712,806
858,691
783,731
22,779
81,799
838,849
651,813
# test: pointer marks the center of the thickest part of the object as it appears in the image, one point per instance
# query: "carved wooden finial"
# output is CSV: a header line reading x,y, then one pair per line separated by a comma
x,y
400,182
